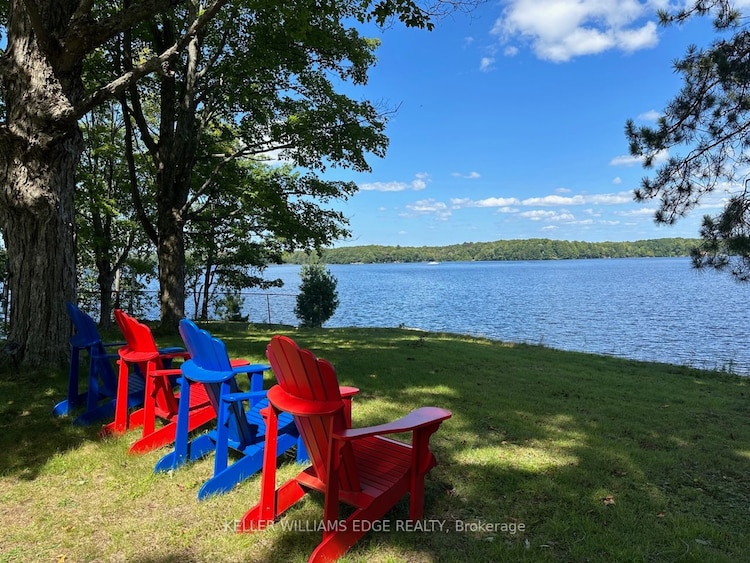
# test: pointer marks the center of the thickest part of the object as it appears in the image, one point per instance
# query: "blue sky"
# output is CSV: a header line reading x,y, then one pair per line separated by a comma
x,y
510,124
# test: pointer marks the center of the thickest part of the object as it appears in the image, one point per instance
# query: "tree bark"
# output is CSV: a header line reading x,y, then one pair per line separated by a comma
x,y
39,151
171,253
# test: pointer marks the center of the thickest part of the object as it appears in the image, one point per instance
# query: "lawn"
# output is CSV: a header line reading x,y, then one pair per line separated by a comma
x,y
549,456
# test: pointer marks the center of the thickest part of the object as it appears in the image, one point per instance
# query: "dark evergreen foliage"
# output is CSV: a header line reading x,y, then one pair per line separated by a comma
x,y
318,298
709,120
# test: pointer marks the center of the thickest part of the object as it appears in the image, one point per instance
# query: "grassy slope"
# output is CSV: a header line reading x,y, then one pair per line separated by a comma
x,y
596,458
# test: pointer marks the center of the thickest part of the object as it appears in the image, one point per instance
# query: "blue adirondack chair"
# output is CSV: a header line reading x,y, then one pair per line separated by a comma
x,y
239,429
100,395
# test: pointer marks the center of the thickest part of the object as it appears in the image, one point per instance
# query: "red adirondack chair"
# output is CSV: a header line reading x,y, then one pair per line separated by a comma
x,y
360,467
161,394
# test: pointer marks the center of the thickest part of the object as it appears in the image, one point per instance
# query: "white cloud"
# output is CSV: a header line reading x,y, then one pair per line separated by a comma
x,y
625,160
559,30
629,160
485,64
617,180
418,183
430,207
553,209
555,200
589,199
545,201
643,37
384,186
459,203
541,215
538,215
470,176
640,211
651,115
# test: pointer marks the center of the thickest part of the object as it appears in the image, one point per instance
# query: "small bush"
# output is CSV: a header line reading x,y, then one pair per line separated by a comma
x,y
229,307
318,298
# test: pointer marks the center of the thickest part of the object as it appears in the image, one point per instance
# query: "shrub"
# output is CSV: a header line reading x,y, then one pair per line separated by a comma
x,y
318,298
229,307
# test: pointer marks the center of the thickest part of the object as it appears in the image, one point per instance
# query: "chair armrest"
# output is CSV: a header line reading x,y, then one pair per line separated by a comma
x,y
172,350
301,407
348,392
415,420
248,368
165,372
172,355
107,356
243,396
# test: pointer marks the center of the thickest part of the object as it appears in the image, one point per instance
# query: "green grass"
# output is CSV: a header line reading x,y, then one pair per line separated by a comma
x,y
549,456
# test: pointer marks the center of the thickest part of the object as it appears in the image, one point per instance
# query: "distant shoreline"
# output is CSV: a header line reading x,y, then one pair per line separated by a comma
x,y
503,250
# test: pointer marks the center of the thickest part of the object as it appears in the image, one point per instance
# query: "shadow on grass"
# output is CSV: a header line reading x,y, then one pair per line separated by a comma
x,y
549,456
29,434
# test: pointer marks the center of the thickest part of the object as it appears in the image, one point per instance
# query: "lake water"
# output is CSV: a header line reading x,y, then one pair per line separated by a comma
x,y
655,309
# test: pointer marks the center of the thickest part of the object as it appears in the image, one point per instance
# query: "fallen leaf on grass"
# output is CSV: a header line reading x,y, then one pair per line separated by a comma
x,y
609,499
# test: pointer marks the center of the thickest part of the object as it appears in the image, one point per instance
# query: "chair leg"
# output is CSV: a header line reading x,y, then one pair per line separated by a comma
x,y
69,404
182,434
92,397
75,359
198,447
223,481
166,434
258,518
273,501
120,424
338,541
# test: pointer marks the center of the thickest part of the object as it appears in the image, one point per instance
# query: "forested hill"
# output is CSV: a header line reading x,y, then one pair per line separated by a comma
x,y
530,249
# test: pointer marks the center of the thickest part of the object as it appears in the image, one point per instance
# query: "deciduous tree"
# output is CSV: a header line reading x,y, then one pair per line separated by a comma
x,y
43,97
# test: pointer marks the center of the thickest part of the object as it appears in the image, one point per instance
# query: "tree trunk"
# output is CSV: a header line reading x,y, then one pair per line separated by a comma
x,y
171,252
207,286
105,281
178,142
39,152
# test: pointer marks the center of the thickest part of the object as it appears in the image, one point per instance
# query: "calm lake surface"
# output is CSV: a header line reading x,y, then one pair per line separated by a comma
x,y
654,309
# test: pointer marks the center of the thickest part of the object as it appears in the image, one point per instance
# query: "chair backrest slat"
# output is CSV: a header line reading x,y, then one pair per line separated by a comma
x,y
86,332
302,375
209,355
139,339
137,335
